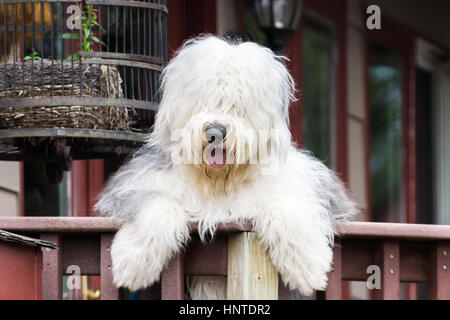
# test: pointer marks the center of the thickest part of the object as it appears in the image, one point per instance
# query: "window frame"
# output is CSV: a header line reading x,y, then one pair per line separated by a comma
x,y
333,15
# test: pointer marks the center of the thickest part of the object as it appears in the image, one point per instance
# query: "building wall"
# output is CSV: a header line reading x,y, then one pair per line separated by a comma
x,y
9,188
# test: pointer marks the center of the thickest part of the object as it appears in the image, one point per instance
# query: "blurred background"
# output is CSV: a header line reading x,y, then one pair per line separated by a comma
x,y
374,104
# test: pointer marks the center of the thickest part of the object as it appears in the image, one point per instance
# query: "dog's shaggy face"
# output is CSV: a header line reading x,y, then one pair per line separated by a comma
x,y
224,110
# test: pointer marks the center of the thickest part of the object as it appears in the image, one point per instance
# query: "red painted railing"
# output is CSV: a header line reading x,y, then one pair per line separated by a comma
x,y
404,252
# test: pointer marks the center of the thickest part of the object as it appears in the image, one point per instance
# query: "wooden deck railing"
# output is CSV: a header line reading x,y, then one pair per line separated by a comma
x,y
404,253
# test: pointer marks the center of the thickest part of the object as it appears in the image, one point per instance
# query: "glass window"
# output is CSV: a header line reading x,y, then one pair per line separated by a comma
x,y
318,91
385,99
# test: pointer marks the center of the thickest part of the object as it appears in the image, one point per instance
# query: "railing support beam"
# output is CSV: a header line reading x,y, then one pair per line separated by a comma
x,y
439,284
334,288
108,290
52,268
251,275
387,257
172,279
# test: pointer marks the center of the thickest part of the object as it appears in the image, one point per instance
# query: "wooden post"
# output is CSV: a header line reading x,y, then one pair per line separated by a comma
x,y
108,290
251,275
439,282
334,288
283,290
52,268
387,257
172,279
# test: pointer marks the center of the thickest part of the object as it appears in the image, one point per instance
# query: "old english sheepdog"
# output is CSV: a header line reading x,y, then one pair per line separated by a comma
x,y
221,151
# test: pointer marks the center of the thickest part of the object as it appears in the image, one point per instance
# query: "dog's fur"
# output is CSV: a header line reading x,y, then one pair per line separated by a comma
x,y
292,199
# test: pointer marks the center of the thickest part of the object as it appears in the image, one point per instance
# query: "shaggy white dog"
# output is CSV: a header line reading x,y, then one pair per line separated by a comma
x,y
221,152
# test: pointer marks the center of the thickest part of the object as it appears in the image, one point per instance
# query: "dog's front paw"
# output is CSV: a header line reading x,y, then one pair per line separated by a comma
x,y
303,271
144,246
133,264
299,248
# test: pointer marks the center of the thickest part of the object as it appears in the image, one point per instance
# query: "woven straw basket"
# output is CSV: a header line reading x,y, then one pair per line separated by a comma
x,y
46,78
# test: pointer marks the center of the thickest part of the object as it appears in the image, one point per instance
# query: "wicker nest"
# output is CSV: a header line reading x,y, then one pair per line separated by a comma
x,y
47,79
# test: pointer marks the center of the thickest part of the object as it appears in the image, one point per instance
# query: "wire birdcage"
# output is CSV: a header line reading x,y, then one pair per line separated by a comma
x,y
82,73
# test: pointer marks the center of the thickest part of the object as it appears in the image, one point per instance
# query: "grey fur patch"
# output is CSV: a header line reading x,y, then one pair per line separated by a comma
x,y
124,193
332,191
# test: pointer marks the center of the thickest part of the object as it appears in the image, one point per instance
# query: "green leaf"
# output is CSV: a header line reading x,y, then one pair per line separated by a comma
x,y
70,36
33,56
87,46
27,58
74,56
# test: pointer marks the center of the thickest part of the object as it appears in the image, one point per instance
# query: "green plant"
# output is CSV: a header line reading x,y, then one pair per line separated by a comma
x,y
33,56
88,20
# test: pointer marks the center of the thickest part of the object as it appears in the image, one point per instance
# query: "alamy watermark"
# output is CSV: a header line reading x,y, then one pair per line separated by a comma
x,y
73,281
373,22
73,22
374,280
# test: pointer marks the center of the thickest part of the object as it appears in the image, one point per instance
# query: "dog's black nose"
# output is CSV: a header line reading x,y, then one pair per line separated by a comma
x,y
215,133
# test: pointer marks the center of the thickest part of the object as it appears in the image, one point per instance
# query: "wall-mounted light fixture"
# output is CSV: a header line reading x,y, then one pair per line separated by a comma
x,y
278,19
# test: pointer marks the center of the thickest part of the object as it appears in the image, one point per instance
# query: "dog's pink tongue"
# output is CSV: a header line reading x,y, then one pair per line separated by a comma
x,y
217,161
